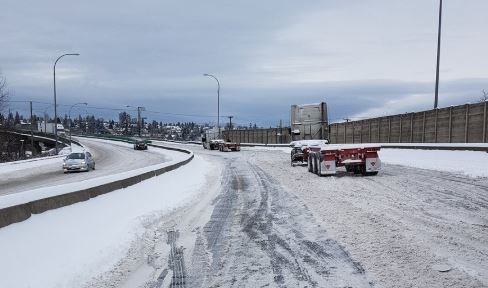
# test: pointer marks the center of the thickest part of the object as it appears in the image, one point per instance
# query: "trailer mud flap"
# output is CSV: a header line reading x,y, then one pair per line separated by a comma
x,y
327,165
373,164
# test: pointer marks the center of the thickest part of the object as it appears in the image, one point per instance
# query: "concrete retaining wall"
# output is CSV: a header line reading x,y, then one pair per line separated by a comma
x,y
22,212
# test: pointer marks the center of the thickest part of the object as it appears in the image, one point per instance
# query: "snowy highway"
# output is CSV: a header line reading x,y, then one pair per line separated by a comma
x,y
249,219
110,158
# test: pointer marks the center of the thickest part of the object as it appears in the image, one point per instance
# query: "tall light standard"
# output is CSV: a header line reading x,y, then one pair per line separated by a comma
x,y
436,101
218,99
55,105
69,116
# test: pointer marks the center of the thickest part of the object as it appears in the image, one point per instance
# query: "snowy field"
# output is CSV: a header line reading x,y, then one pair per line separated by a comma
x,y
66,247
470,163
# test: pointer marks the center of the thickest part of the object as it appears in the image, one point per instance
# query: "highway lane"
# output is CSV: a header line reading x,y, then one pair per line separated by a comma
x,y
110,158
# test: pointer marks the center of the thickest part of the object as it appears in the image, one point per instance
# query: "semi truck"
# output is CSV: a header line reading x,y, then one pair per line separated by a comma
x,y
324,159
310,122
47,127
212,141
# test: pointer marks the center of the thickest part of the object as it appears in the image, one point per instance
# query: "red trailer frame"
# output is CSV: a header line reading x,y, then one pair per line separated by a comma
x,y
358,159
229,146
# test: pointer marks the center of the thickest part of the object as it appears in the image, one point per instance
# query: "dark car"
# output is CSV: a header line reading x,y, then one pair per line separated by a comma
x,y
140,145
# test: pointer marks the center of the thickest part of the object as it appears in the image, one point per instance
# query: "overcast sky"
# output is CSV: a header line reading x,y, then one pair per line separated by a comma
x,y
364,58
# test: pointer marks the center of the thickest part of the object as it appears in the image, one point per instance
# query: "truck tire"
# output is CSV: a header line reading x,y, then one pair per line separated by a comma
x,y
319,168
362,169
316,164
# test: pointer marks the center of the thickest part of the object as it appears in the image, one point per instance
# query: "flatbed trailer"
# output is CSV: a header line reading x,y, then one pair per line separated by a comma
x,y
360,159
229,146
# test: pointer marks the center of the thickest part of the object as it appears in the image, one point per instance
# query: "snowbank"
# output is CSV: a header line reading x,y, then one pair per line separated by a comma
x,y
471,163
68,246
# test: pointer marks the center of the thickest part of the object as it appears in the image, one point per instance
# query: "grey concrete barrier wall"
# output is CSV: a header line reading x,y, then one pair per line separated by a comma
x,y
456,124
22,212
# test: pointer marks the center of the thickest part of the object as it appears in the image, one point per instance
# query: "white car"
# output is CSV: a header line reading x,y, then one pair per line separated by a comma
x,y
78,161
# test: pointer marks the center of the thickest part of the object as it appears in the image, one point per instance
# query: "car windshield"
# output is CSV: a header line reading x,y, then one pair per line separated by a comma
x,y
76,156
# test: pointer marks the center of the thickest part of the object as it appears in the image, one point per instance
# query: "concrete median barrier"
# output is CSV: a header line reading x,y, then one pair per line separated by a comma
x,y
21,212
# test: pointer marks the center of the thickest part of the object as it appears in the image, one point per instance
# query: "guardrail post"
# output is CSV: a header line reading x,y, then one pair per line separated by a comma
x,y
466,124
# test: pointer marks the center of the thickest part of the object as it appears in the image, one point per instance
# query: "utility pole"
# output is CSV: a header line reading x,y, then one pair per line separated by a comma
x,y
436,100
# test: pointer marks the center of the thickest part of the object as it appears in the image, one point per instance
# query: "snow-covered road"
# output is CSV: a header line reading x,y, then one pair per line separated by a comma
x,y
111,158
249,219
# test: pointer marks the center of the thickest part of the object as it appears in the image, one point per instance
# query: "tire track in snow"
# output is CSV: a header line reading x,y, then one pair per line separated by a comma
x,y
261,235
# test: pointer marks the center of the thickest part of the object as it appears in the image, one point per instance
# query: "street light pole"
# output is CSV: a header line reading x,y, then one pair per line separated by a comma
x,y
69,116
55,105
436,100
218,99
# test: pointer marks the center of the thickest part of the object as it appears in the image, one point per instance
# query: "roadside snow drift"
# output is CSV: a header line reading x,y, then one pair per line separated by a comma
x,y
68,246
470,163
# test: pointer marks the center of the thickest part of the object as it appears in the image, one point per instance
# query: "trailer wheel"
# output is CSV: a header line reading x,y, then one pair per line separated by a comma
x,y
313,163
362,170
319,168
357,169
315,160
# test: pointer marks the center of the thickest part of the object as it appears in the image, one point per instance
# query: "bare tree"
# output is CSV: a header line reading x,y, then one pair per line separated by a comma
x,y
484,97
3,92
